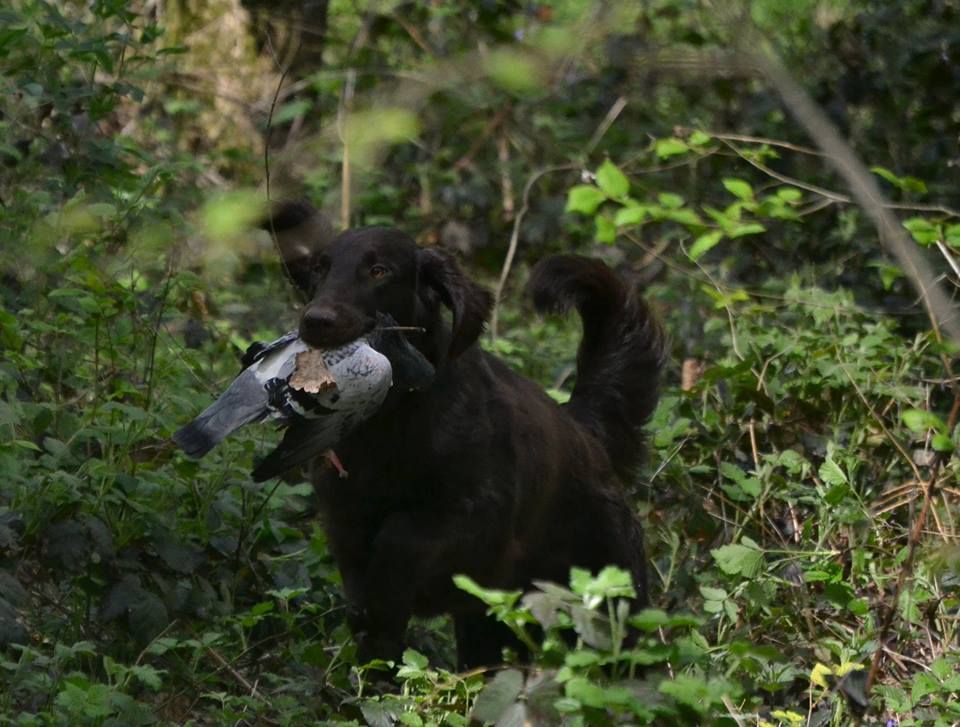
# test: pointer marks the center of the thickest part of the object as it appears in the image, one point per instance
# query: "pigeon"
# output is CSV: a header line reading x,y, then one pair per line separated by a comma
x,y
306,437
321,394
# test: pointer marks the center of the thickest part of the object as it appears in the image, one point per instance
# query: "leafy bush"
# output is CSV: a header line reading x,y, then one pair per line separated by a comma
x,y
799,498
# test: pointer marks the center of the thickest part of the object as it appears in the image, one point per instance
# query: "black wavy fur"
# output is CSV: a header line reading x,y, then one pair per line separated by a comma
x,y
481,472
620,355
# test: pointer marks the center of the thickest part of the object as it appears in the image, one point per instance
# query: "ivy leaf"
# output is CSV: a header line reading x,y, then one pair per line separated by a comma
x,y
584,199
612,181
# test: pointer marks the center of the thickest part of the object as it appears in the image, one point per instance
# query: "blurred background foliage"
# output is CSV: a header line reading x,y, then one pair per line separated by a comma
x,y
808,404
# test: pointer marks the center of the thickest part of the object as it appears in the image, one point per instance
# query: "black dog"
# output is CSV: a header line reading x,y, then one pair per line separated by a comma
x,y
482,473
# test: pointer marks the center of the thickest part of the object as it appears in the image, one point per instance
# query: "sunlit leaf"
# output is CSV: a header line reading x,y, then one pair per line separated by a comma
x,y
584,199
739,189
666,148
612,181
704,244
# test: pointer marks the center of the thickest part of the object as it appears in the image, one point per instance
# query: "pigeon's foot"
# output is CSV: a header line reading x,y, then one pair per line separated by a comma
x,y
335,462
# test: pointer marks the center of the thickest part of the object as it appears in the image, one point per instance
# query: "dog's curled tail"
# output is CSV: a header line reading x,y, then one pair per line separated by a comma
x,y
620,355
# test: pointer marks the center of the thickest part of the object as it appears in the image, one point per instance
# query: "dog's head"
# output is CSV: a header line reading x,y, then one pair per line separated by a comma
x,y
346,281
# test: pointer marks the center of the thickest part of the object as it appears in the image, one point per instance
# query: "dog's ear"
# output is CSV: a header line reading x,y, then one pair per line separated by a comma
x,y
300,231
469,302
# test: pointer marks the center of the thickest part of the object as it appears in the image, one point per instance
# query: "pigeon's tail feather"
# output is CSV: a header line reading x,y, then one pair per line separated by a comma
x,y
620,356
195,439
243,402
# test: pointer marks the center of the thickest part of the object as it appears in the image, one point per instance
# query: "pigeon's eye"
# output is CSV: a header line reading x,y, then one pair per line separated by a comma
x,y
378,272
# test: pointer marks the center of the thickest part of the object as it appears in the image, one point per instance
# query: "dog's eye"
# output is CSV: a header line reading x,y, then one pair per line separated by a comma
x,y
321,266
378,272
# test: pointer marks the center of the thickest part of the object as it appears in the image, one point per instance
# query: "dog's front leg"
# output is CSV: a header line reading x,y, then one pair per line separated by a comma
x,y
414,551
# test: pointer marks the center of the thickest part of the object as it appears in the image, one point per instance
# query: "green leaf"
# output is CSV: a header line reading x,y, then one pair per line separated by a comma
x,y
739,559
698,138
923,685
919,421
907,184
584,199
750,228
669,200
789,194
713,594
941,442
685,217
922,230
952,235
631,215
612,181
606,231
585,692
704,243
831,473
665,148
414,658
611,582
739,189
515,71
650,619
490,596
859,606
689,690
232,213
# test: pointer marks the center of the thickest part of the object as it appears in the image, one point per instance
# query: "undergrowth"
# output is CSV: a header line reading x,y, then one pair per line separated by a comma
x,y
806,426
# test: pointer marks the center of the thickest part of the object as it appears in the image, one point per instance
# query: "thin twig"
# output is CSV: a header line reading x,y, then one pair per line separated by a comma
x,y
343,110
266,168
949,258
747,139
605,125
515,238
244,682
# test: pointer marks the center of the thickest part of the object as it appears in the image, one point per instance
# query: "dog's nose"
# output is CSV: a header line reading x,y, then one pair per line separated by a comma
x,y
318,322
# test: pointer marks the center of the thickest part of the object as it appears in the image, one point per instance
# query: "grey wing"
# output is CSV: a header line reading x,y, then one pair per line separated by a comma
x,y
257,350
302,441
244,401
